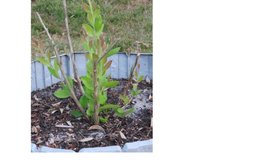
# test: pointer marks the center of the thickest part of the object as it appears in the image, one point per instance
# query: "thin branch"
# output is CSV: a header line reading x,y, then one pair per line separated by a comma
x,y
73,96
106,51
132,73
72,56
50,38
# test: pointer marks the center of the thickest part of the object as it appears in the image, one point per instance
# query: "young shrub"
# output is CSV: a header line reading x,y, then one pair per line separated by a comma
x,y
93,99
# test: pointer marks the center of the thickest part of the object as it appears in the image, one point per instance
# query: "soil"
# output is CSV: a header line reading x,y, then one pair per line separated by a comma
x,y
53,126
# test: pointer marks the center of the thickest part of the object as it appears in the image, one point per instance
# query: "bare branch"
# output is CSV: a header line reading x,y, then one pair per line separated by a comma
x,y
138,49
73,96
49,36
72,56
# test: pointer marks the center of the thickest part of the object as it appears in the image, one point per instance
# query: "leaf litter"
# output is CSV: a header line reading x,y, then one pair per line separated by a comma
x,y
53,126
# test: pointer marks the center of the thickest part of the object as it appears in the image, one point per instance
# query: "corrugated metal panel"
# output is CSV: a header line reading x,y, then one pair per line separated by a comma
x,y
114,66
33,77
80,60
39,70
54,79
120,68
48,77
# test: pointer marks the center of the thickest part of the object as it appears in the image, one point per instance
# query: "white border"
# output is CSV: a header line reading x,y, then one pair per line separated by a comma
x,y
206,87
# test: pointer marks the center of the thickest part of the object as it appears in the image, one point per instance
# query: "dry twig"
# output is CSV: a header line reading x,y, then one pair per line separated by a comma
x,y
72,56
73,96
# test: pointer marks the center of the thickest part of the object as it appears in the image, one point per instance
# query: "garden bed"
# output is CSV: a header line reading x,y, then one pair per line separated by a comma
x,y
53,126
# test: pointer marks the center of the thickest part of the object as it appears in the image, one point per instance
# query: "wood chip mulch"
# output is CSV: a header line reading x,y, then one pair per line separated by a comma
x,y
53,126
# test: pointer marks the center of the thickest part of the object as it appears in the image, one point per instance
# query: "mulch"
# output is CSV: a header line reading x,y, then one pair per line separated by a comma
x,y
53,126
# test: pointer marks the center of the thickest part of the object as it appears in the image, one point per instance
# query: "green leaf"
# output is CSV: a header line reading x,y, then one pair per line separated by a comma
x,y
135,86
88,29
89,55
139,79
43,60
113,52
89,66
70,81
90,110
120,112
49,56
62,93
128,111
76,113
99,25
83,101
107,65
102,98
54,72
136,74
135,92
103,120
88,93
97,13
110,84
90,18
56,65
109,106
125,99
87,82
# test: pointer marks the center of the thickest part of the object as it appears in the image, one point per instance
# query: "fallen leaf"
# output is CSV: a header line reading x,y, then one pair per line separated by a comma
x,y
69,123
51,139
67,107
147,79
150,98
56,104
46,114
70,135
122,135
86,139
64,126
140,129
34,129
96,127
61,110
54,111
36,104
39,140
35,97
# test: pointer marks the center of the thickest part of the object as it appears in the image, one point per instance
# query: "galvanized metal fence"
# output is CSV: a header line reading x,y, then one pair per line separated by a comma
x,y
120,68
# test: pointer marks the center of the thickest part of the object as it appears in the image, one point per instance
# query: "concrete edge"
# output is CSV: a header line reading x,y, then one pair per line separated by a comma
x,y
138,146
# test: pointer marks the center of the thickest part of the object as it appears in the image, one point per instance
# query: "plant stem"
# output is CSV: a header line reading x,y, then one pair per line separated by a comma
x,y
131,74
72,56
106,51
96,104
73,96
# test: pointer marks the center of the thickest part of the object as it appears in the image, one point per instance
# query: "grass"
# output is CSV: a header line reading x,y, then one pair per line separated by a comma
x,y
126,20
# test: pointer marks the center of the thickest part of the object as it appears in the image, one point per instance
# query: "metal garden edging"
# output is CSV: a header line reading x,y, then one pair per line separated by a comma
x,y
120,68
138,146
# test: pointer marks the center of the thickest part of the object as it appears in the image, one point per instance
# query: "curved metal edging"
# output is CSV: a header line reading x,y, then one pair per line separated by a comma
x,y
120,68
138,146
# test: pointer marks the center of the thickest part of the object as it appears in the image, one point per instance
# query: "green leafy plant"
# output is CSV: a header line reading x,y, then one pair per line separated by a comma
x,y
93,98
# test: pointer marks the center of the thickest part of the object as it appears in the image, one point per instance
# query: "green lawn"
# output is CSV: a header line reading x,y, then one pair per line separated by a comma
x,y
126,20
